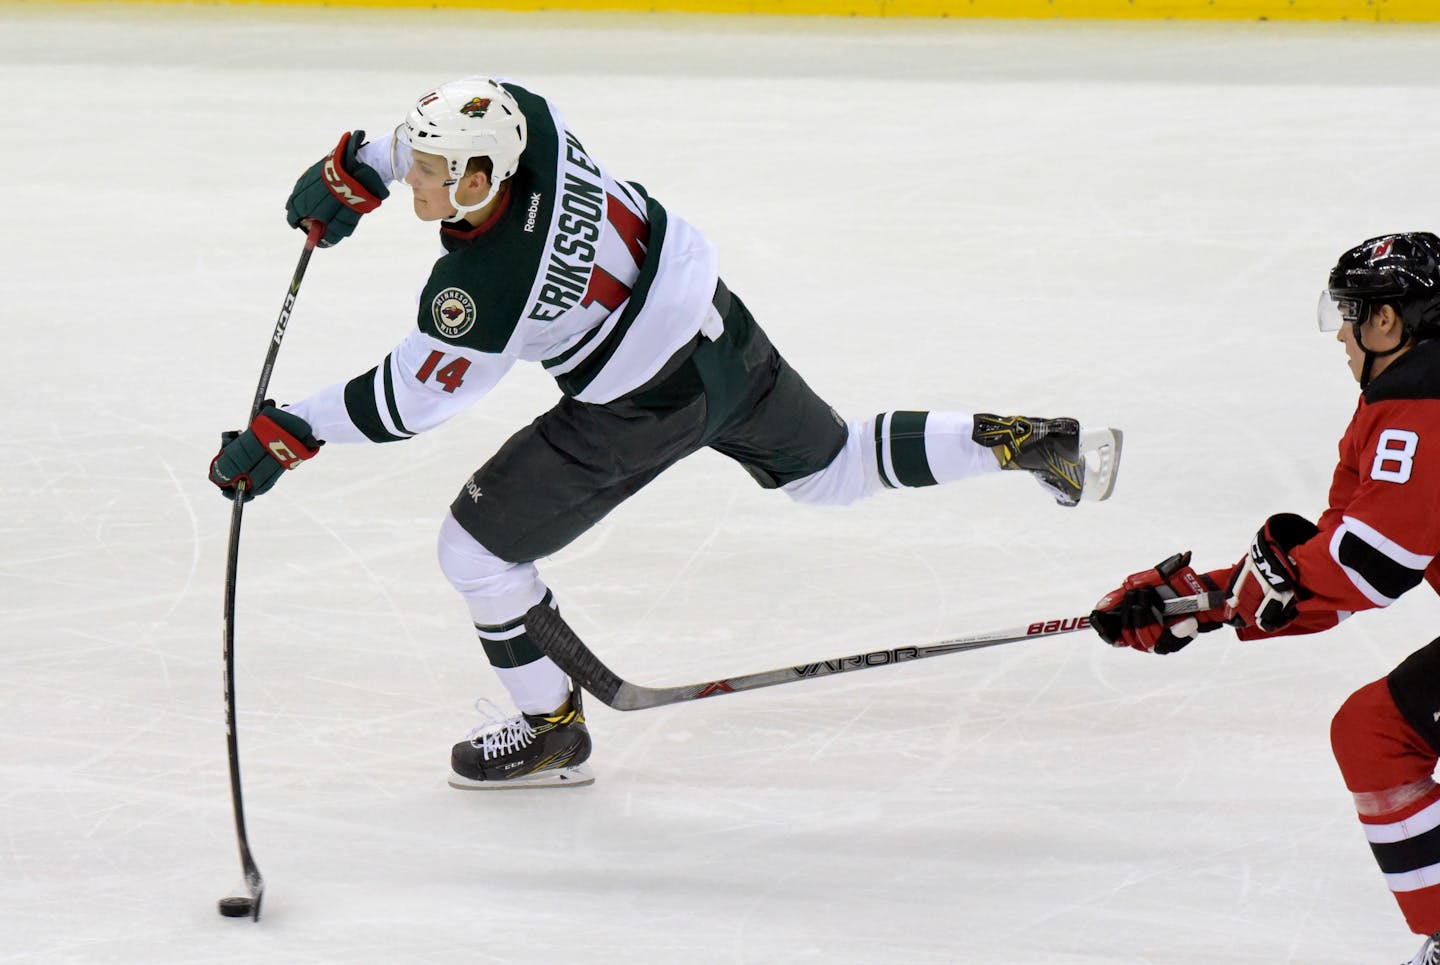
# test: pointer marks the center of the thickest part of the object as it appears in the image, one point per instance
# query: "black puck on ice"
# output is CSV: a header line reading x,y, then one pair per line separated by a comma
x,y
237,907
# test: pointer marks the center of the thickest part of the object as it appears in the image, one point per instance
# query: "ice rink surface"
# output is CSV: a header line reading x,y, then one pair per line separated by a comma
x,y
1125,223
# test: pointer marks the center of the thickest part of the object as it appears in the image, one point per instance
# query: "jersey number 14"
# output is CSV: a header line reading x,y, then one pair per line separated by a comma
x,y
450,376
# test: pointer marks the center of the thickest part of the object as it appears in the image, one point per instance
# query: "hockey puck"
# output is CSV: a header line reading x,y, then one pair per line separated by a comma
x,y
237,907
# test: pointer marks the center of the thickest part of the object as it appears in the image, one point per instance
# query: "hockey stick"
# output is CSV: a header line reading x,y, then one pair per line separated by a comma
x,y
549,631
236,907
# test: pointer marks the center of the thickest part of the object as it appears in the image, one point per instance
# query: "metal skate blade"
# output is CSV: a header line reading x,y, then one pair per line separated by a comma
x,y
577,776
1100,452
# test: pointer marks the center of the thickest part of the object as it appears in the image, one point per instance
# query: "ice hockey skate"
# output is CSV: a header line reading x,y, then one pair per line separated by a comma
x,y
1429,953
1073,464
524,751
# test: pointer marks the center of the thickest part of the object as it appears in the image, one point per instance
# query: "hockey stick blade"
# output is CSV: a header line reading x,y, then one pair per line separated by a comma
x,y
549,631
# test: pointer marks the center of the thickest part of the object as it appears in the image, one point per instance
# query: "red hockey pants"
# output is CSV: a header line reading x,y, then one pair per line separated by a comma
x,y
1389,767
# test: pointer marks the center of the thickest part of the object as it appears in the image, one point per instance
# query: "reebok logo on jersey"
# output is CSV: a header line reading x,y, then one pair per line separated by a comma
x,y
474,490
454,312
532,212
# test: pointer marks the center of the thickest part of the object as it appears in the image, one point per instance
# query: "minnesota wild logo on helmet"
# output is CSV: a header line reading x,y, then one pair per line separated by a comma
x,y
477,107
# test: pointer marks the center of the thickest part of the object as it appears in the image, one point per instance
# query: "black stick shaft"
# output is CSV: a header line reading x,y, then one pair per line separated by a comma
x,y
254,882
549,631
312,238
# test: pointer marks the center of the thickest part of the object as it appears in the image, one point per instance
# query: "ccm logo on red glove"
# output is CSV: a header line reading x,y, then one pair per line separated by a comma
x,y
341,183
1265,590
284,448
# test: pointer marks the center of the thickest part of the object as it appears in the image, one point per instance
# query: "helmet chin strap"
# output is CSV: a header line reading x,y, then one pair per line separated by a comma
x,y
461,210
1371,355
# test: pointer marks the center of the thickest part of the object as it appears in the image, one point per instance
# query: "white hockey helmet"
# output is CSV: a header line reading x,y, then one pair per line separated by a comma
x,y
468,118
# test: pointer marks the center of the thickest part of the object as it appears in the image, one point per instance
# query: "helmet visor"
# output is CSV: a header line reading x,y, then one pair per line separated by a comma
x,y
1336,309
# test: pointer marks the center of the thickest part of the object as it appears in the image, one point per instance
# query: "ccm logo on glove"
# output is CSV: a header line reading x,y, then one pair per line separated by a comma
x,y
346,188
284,454
1265,591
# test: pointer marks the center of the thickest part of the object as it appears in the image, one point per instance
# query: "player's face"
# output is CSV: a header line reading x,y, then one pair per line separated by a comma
x,y
1354,354
1381,332
428,173
427,182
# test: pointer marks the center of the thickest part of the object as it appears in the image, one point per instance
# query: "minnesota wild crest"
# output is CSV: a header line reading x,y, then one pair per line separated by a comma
x,y
454,312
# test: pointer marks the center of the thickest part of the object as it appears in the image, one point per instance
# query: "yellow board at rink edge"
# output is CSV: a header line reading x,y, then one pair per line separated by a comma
x,y
1379,11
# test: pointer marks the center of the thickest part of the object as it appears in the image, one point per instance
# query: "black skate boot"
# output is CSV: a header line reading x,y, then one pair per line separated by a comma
x,y
528,750
1070,463
1429,953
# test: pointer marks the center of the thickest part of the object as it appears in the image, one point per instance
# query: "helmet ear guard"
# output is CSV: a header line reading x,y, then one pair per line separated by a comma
x,y
465,119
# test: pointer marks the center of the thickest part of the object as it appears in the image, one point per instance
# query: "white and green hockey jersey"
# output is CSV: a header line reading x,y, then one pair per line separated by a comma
x,y
579,271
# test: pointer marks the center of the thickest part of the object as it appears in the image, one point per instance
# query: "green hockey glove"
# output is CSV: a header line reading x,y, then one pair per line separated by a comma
x,y
337,190
276,440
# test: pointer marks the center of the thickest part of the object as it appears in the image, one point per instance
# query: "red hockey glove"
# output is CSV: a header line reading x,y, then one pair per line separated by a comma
x,y
276,440
1266,587
337,190
1134,614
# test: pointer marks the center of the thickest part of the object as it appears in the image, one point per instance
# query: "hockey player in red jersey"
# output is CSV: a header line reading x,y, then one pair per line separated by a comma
x,y
1378,538
550,258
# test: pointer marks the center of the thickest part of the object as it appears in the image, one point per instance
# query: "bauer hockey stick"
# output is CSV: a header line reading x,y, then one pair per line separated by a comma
x,y
553,635
239,907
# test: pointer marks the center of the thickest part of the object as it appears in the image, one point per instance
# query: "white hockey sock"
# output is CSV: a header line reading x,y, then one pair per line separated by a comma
x,y
897,450
537,687
498,594
949,452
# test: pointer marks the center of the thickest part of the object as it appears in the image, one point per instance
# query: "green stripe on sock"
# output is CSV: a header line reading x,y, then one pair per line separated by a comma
x,y
515,652
907,449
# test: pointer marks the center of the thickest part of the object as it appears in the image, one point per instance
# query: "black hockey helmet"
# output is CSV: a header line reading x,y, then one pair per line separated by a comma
x,y
1400,270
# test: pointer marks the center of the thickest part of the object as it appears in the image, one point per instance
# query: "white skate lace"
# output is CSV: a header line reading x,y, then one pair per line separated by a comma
x,y
497,734
1429,953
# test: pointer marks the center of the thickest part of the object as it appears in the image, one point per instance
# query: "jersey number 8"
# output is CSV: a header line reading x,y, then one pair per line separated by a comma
x,y
1395,456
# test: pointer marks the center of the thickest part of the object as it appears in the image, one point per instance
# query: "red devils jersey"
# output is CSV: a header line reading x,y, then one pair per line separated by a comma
x,y
1381,534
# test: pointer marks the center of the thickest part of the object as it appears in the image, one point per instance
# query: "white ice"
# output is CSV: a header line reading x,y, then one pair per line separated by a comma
x,y
1124,222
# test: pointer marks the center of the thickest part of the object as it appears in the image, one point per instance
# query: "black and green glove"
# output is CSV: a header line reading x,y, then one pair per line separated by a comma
x,y
337,190
276,441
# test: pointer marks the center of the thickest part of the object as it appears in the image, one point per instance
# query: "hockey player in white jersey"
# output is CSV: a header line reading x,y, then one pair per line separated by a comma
x,y
551,259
